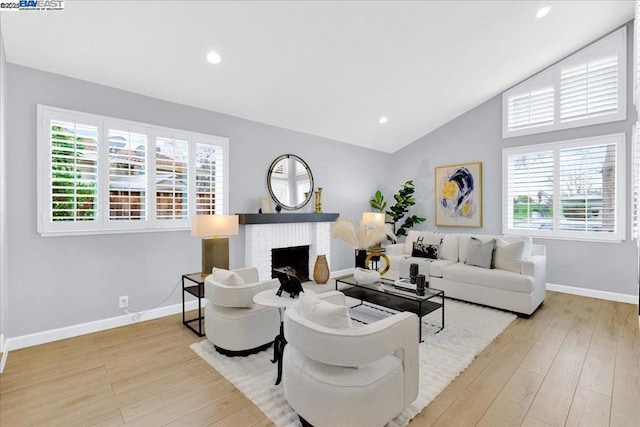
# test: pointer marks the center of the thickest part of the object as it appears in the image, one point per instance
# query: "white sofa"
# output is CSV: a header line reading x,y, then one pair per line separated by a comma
x,y
520,291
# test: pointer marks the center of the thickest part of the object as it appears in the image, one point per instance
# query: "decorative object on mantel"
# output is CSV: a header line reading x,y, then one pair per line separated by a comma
x,y
321,270
290,182
215,249
365,237
318,200
459,195
404,200
265,205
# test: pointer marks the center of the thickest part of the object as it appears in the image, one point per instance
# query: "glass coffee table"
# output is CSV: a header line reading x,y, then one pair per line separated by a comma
x,y
384,293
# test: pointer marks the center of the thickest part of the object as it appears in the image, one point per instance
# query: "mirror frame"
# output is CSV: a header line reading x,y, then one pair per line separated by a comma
x,y
311,185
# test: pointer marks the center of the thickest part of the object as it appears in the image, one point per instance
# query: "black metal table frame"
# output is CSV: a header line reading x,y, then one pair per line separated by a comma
x,y
198,292
432,306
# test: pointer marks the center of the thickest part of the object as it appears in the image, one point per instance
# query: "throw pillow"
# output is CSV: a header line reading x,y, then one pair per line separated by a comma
x,y
480,254
508,256
226,277
324,313
424,250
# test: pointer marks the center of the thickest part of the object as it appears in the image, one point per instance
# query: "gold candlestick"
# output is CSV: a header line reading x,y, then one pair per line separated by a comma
x,y
318,194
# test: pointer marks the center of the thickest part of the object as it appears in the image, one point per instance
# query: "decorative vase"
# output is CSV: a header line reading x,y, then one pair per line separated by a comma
x,y
318,200
321,270
361,256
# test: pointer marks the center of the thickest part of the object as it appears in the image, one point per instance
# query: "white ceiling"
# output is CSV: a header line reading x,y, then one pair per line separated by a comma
x,y
324,68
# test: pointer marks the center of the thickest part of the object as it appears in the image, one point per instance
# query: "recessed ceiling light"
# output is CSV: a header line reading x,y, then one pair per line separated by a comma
x,y
543,12
214,57
383,120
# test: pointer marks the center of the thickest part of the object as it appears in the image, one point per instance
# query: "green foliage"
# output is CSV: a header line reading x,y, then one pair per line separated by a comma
x,y
404,200
378,202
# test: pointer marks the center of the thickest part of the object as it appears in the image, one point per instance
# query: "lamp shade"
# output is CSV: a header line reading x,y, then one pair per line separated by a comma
x,y
214,225
373,218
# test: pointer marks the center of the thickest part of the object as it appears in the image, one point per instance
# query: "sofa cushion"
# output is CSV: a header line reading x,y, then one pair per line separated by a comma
x,y
480,254
324,313
226,277
508,256
437,266
449,247
425,250
492,278
528,243
463,244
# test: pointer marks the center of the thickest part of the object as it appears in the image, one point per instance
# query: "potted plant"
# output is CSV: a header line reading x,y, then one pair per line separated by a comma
x,y
404,200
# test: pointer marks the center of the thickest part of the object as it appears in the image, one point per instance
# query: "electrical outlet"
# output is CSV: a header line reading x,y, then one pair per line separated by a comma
x,y
123,301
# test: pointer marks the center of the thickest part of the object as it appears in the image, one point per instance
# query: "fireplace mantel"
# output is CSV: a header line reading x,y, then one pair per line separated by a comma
x,y
285,218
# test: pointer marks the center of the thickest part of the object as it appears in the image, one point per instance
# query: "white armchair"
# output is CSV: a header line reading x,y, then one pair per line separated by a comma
x,y
233,323
320,382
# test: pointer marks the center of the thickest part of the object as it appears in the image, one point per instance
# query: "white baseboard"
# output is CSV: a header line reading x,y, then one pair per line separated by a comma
x,y
1,343
43,337
611,296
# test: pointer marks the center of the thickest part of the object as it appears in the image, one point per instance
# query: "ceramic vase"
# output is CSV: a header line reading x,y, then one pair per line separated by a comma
x,y
321,270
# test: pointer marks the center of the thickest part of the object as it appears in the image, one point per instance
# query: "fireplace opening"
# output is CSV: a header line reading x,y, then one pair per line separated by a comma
x,y
296,257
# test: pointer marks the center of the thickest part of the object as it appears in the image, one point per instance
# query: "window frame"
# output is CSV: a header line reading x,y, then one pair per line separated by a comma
x,y
619,139
102,224
614,41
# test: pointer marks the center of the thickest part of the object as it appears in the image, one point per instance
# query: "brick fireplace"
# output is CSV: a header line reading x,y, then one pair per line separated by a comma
x,y
264,232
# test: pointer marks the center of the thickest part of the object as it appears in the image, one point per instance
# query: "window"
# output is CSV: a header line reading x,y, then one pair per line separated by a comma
x,y
102,175
589,87
569,189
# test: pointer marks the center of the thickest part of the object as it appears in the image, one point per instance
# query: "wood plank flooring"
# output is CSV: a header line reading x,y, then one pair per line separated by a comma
x,y
575,362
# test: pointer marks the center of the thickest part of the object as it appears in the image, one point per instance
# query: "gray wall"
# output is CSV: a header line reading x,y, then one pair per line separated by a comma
x,y
62,281
477,136
4,282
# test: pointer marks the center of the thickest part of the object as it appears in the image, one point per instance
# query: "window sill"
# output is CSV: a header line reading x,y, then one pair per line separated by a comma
x,y
68,233
566,238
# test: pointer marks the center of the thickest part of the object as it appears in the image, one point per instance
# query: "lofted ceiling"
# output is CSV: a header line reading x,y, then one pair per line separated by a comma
x,y
325,68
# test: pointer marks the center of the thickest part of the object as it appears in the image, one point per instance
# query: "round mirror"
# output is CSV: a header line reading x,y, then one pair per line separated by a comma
x,y
290,182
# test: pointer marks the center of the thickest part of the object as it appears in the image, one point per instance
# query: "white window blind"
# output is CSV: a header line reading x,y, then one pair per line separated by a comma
x,y
127,175
73,171
567,189
530,192
530,109
209,172
102,175
172,158
588,87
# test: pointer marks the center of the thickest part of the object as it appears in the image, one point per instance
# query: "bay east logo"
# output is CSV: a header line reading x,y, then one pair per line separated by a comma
x,y
41,4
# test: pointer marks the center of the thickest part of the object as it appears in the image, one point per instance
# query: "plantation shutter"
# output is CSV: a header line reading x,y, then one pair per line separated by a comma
x,y
530,109
588,188
127,175
209,178
529,196
589,89
172,157
73,171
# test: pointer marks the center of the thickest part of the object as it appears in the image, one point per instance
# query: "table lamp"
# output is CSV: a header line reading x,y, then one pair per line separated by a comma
x,y
215,244
373,218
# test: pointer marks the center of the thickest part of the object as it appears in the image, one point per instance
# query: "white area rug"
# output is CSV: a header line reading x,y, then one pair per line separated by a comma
x,y
443,356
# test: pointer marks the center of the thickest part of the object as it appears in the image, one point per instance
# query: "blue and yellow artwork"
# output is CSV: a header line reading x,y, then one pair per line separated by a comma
x,y
459,195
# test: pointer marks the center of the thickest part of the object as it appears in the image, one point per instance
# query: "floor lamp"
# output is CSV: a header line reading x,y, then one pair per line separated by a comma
x,y
214,230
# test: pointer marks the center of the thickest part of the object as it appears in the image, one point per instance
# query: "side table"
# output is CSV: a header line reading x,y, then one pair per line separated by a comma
x,y
196,290
269,298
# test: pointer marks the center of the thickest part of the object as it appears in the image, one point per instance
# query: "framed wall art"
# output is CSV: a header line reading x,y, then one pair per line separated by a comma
x,y
459,195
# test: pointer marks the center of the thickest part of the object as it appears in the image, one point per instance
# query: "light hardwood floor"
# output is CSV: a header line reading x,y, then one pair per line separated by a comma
x,y
575,362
